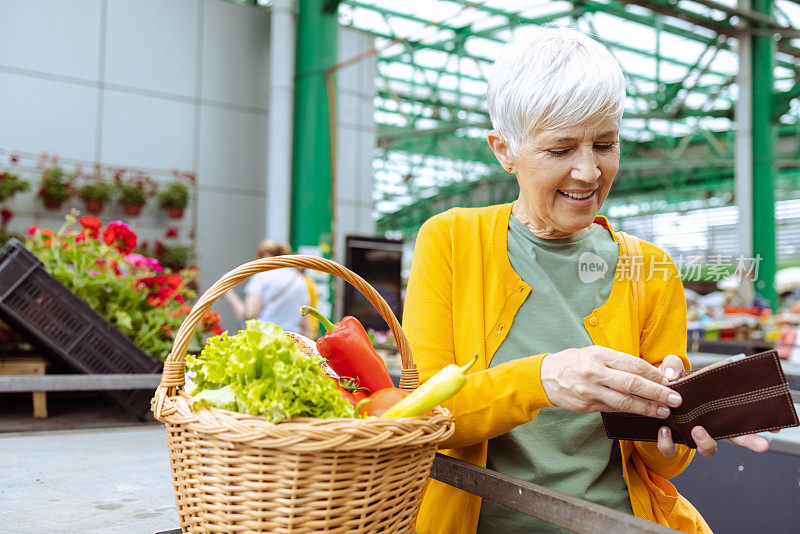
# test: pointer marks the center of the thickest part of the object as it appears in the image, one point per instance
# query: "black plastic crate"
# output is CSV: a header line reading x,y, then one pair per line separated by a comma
x,y
63,325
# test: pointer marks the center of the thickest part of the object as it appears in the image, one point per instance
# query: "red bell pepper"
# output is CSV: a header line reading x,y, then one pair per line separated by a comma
x,y
349,390
347,349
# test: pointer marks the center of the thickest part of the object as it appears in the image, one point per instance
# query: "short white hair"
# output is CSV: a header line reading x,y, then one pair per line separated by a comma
x,y
548,78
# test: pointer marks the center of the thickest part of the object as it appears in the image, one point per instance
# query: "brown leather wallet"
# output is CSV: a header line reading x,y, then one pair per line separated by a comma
x,y
739,395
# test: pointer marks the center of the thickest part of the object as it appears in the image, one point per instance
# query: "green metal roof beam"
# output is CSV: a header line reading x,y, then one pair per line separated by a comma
x,y
725,28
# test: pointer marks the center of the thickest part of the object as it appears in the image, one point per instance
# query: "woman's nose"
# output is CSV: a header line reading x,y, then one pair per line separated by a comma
x,y
586,169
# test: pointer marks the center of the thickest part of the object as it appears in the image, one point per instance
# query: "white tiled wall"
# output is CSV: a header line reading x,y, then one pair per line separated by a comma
x,y
39,113
231,149
51,36
139,32
162,86
235,54
144,131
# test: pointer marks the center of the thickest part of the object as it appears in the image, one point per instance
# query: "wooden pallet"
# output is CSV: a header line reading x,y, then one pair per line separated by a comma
x,y
28,365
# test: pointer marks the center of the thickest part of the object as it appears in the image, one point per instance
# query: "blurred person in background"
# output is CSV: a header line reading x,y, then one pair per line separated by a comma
x,y
555,347
274,296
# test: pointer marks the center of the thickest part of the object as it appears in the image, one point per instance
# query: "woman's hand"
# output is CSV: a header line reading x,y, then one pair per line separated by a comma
x,y
599,379
671,367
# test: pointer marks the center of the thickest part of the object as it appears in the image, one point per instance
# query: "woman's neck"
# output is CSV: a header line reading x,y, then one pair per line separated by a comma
x,y
541,230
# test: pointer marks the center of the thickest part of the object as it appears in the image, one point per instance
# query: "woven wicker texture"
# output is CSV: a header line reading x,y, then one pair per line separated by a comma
x,y
235,472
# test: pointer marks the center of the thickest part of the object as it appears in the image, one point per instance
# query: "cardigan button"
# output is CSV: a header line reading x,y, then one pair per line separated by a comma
x,y
594,321
502,327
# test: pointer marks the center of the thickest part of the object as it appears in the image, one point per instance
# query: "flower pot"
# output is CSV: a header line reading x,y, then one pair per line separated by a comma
x,y
132,209
175,213
94,206
51,203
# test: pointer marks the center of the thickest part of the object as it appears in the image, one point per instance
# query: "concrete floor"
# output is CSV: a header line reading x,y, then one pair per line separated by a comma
x,y
81,481
66,411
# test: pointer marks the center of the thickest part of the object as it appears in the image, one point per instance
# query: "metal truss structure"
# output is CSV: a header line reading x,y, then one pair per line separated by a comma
x,y
680,57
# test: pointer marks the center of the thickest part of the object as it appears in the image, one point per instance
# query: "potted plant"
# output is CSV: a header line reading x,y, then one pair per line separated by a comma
x,y
134,192
96,192
10,185
5,216
175,197
176,257
55,187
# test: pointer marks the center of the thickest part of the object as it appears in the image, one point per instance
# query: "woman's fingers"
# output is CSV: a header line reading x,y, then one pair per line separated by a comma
x,y
705,443
630,364
671,367
754,442
641,387
616,401
665,443
595,378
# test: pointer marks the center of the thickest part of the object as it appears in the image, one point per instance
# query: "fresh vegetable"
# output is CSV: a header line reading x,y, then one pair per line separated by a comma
x,y
440,387
262,371
382,400
349,390
349,352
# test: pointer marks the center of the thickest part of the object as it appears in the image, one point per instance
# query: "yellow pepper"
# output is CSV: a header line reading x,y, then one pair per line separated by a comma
x,y
440,387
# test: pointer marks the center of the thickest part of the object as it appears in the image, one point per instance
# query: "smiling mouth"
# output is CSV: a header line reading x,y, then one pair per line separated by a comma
x,y
576,196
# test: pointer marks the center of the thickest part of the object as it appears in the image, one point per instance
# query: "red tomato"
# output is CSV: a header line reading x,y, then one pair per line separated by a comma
x,y
382,400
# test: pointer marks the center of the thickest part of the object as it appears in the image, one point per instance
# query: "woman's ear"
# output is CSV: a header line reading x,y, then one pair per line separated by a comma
x,y
501,150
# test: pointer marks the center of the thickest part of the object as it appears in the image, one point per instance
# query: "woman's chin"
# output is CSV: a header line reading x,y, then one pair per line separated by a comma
x,y
577,225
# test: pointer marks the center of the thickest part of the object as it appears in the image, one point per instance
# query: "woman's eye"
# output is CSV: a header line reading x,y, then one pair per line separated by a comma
x,y
559,151
605,146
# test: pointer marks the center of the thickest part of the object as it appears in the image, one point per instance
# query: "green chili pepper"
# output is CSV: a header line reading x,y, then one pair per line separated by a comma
x,y
436,390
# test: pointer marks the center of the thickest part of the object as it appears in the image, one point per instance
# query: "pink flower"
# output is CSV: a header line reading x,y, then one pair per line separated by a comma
x,y
137,260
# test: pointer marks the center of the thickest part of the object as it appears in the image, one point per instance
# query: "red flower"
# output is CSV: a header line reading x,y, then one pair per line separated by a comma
x,y
91,226
47,237
14,159
211,323
118,234
171,232
32,230
5,215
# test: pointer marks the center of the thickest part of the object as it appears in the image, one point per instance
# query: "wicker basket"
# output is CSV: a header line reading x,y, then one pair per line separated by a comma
x,y
234,472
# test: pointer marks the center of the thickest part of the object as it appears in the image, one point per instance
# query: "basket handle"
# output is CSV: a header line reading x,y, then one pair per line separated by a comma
x,y
174,366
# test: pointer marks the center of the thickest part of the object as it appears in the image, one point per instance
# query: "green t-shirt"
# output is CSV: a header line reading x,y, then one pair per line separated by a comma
x,y
561,450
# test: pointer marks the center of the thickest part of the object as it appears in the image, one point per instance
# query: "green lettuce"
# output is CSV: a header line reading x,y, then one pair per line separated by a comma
x,y
261,371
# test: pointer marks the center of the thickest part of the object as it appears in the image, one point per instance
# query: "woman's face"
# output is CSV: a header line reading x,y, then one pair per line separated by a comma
x,y
564,176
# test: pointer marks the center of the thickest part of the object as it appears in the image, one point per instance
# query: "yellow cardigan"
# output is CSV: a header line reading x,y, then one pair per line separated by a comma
x,y
461,299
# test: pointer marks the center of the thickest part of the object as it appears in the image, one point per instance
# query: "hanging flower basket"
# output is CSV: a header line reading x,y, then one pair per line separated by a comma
x,y
133,192
175,197
175,212
132,210
51,203
55,187
94,206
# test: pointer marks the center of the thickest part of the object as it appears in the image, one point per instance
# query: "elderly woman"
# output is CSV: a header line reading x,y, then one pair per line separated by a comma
x,y
555,346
